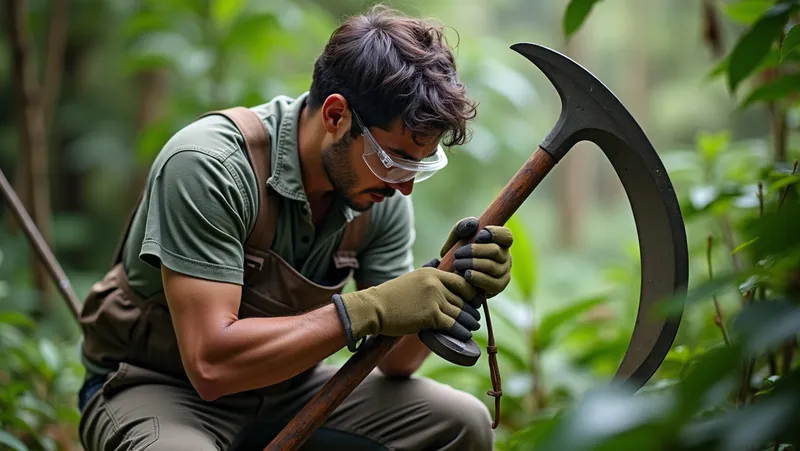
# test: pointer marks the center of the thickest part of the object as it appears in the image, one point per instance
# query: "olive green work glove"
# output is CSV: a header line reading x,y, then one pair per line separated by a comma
x,y
421,299
486,263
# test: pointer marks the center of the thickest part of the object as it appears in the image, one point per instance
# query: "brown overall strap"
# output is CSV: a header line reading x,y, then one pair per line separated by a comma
x,y
256,142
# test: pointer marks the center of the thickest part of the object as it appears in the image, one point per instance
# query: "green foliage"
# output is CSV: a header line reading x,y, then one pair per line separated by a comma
x,y
791,42
710,393
746,11
576,13
39,379
753,46
781,88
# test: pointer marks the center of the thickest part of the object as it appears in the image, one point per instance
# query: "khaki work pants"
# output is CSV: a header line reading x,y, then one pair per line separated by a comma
x,y
140,410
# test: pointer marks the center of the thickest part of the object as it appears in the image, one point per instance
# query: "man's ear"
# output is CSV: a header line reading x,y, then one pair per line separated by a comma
x,y
336,116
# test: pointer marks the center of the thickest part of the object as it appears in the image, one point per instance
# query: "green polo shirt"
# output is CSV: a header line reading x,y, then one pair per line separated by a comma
x,y
201,202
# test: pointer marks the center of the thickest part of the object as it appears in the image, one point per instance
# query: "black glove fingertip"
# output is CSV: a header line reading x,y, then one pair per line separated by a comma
x,y
467,319
484,236
474,313
464,251
460,332
477,301
467,227
462,264
468,275
432,263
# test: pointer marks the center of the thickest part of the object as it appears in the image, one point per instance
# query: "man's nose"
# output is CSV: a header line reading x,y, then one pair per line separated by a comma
x,y
405,187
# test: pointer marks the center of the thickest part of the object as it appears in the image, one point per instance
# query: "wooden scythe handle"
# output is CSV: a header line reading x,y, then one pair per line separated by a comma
x,y
317,410
40,246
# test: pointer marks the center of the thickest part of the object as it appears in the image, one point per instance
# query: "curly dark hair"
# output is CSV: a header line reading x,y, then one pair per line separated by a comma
x,y
390,66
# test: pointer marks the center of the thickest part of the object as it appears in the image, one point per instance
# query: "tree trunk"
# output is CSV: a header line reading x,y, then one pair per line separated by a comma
x,y
33,136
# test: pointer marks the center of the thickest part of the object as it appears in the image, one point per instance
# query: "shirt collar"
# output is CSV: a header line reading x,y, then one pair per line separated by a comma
x,y
287,178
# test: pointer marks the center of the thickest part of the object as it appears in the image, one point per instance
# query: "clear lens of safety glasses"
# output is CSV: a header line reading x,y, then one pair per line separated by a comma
x,y
398,170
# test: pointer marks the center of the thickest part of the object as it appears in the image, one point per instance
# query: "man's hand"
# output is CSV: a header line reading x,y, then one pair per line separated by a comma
x,y
420,299
486,263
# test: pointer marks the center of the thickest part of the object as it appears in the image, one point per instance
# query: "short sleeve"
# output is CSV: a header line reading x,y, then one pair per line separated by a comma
x,y
197,216
389,241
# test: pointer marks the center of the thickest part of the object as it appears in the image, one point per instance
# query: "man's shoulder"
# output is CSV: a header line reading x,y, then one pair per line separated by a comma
x,y
218,137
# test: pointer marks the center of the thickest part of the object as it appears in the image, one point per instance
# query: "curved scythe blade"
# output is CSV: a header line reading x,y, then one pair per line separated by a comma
x,y
591,112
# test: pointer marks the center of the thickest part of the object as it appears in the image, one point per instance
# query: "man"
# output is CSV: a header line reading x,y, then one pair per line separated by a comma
x,y
226,293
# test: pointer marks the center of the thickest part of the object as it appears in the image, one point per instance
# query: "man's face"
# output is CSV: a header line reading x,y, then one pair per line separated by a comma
x,y
353,180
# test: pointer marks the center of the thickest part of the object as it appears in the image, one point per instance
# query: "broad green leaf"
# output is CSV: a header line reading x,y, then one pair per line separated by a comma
x,y
710,370
702,292
16,319
546,331
575,15
777,89
772,60
785,181
777,231
754,45
49,354
12,442
765,325
746,11
606,418
523,257
791,41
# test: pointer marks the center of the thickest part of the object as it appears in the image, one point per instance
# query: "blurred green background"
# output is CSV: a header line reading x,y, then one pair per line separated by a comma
x,y
123,75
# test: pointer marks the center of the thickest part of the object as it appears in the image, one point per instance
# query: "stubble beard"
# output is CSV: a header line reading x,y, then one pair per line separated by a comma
x,y
343,178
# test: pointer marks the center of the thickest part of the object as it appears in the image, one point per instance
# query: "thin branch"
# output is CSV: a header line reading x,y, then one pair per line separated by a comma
x,y
771,358
718,319
729,240
749,364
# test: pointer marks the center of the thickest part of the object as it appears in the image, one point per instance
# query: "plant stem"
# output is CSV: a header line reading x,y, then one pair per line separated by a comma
x,y
718,320
772,359
538,394
786,189
729,240
747,367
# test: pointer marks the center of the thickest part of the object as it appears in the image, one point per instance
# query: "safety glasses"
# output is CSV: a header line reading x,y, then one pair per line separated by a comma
x,y
394,169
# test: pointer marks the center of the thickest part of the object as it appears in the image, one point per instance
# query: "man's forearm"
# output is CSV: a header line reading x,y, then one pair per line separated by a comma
x,y
405,358
255,352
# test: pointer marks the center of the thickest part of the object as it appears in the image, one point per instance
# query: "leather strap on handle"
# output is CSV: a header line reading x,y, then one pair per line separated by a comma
x,y
494,369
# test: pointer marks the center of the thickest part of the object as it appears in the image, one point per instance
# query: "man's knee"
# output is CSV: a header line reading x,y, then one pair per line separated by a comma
x,y
465,419
172,436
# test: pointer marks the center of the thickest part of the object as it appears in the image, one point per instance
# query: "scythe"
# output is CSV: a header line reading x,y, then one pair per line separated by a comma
x,y
590,112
